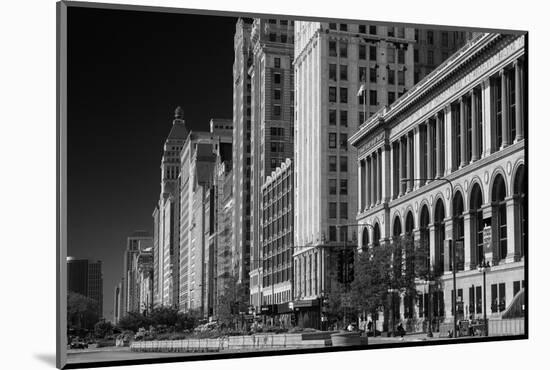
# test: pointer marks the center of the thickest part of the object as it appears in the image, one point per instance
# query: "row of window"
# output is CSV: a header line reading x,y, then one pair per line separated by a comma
x,y
277,277
340,49
305,269
332,208
332,187
332,142
372,30
333,163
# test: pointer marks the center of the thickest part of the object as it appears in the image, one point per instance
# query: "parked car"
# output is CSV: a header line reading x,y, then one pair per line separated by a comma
x,y
77,343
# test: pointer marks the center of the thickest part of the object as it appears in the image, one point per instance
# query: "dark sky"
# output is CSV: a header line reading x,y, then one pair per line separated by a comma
x,y
127,72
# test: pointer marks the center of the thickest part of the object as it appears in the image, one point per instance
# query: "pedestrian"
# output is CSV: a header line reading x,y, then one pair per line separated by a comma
x,y
400,330
369,326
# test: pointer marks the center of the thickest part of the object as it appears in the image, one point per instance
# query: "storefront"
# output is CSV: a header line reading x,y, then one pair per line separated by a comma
x,y
307,313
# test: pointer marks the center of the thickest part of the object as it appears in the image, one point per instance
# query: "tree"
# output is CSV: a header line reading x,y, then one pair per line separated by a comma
x,y
103,329
82,312
164,316
233,300
133,321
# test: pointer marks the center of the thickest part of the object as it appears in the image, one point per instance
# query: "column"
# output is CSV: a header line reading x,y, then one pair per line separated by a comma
x,y
430,143
408,174
487,117
393,170
402,156
431,228
416,156
447,138
463,138
512,230
379,177
386,173
504,100
446,248
368,184
374,178
362,185
371,181
475,124
467,241
518,71
438,147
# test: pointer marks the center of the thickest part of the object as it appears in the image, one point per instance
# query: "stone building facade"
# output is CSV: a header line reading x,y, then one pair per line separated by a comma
x,y
445,162
272,131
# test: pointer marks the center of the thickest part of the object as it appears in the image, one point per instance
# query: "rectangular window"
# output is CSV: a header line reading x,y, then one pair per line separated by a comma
x,y
343,95
444,38
332,210
277,94
343,49
391,97
401,32
332,233
272,37
511,105
391,76
277,111
343,164
501,297
401,77
479,300
373,98
344,118
332,186
343,27
362,74
332,49
391,32
343,72
332,94
362,28
332,167
344,210
277,78
416,55
332,140
455,124
361,98
362,52
332,26
430,57
332,117
332,72
516,288
283,38
343,187
361,117
344,141
372,75
277,62
430,37
401,56
372,53
391,55
498,111
372,30
494,298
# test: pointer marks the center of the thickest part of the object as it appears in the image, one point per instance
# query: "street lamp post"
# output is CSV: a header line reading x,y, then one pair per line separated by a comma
x,y
483,267
453,249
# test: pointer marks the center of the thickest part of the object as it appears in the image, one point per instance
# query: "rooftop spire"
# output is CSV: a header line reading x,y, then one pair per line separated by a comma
x,y
178,113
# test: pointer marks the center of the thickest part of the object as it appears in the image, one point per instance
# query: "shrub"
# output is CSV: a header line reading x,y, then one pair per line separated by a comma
x,y
105,343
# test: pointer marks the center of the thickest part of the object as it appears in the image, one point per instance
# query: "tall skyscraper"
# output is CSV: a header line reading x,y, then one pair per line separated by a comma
x,y
272,128
166,218
197,163
343,73
241,151
85,277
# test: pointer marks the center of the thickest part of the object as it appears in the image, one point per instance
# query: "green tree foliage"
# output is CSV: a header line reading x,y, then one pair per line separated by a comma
x,y
103,329
233,300
82,312
133,321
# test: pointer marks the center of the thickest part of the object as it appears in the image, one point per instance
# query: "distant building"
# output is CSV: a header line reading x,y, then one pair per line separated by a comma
x,y
85,277
117,303
197,163
277,246
242,100
144,279
137,242
166,235
272,131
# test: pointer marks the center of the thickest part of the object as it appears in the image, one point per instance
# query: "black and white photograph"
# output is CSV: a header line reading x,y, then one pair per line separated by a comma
x,y
274,185
241,184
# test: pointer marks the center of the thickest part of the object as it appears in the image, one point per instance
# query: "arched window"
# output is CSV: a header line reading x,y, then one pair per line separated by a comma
x,y
520,193
365,243
425,236
458,230
396,228
439,226
376,235
409,224
476,225
499,213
